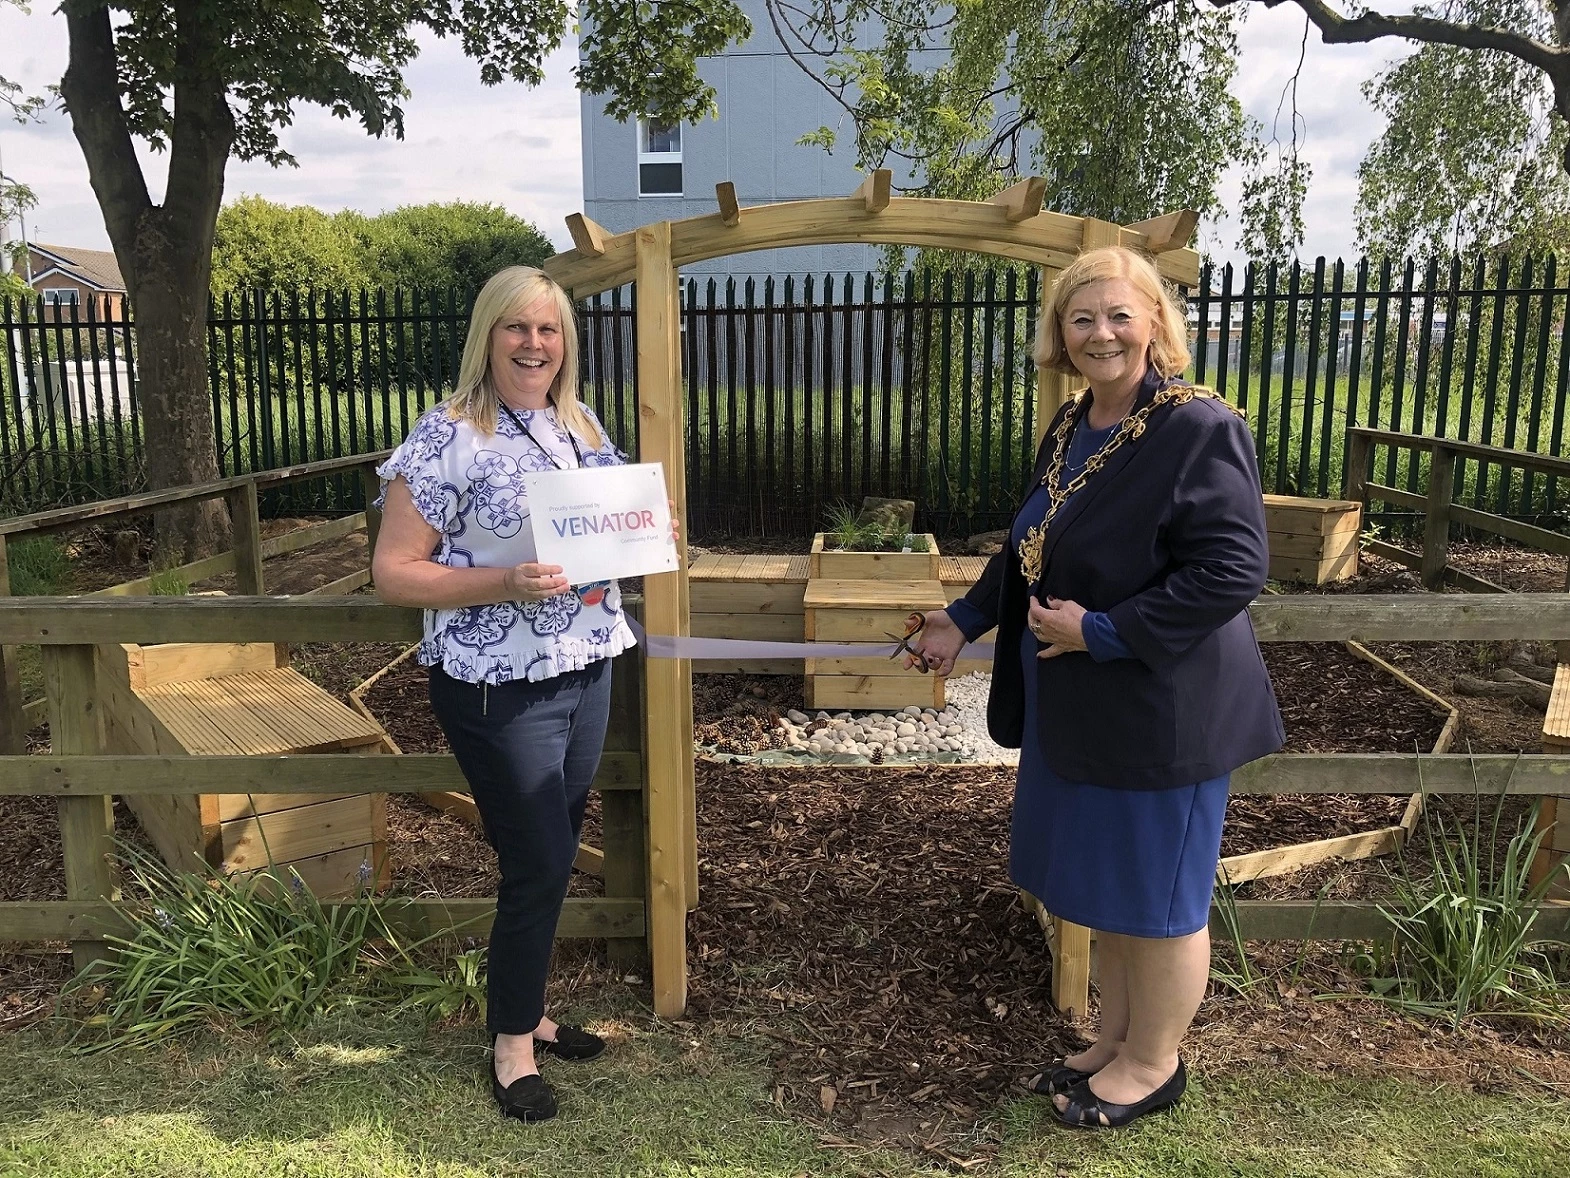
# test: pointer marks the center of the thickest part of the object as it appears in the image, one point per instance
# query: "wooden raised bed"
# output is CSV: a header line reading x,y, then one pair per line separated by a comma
x,y
1312,540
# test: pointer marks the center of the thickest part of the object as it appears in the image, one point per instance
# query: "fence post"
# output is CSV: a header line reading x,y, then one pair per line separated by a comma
x,y
622,831
1436,524
86,823
371,482
1354,475
13,727
246,525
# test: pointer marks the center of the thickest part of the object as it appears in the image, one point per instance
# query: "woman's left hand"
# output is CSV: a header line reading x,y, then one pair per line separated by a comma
x,y
1057,626
675,523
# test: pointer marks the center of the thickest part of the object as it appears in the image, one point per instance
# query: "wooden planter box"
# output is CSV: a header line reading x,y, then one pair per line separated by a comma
x,y
867,611
1312,540
874,566
239,698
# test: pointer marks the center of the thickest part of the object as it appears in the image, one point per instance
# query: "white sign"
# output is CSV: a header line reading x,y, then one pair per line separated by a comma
x,y
602,522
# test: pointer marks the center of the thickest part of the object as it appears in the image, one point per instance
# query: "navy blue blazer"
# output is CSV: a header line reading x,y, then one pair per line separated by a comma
x,y
1168,539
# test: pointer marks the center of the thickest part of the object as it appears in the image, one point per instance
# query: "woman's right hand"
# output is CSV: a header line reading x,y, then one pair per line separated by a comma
x,y
939,643
534,582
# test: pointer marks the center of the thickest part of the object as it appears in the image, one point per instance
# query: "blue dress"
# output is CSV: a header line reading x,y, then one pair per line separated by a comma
x,y
1140,862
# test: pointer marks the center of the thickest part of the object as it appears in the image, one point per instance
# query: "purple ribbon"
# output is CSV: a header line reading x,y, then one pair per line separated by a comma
x,y
667,646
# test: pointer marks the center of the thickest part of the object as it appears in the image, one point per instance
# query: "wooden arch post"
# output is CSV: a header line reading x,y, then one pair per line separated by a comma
x,y
1011,225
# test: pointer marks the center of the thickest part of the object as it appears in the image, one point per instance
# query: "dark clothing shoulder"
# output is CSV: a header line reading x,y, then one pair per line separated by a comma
x,y
1168,539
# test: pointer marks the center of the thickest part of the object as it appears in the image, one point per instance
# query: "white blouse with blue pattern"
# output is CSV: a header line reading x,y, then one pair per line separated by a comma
x,y
469,487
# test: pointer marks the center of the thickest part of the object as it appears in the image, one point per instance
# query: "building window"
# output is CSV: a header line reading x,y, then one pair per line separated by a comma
x,y
61,296
659,158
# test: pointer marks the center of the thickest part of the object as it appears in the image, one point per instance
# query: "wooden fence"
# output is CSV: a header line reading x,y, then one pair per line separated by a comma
x,y
83,777
1446,471
241,493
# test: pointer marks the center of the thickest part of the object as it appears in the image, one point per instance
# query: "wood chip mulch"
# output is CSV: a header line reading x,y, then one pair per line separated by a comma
x,y
872,908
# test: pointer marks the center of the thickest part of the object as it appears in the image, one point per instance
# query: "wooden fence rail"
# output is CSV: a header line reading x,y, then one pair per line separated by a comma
x,y
83,776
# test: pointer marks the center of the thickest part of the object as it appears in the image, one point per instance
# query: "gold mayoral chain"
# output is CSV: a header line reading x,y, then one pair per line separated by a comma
x,y
1132,426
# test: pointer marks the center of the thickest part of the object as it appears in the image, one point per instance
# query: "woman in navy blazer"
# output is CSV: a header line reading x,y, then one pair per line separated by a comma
x,y
1126,669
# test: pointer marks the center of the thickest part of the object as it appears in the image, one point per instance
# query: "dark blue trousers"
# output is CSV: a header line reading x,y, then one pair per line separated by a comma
x,y
529,752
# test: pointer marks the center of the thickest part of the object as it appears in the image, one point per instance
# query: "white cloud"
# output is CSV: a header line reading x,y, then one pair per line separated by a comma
x,y
520,148
507,144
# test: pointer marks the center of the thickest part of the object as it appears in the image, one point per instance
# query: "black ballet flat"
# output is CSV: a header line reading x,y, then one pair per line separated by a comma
x,y
528,1098
572,1043
1056,1079
1085,1109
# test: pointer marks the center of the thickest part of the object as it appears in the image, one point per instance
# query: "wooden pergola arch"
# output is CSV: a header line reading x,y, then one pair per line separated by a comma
x,y
1011,225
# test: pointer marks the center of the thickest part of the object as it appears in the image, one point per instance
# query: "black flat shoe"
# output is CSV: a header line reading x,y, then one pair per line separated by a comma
x,y
1056,1079
1085,1109
572,1043
528,1098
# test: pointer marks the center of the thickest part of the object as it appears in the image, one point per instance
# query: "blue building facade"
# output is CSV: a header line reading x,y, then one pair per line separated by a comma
x,y
635,173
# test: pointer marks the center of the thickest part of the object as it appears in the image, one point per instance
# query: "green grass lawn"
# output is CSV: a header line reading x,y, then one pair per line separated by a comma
x,y
363,1095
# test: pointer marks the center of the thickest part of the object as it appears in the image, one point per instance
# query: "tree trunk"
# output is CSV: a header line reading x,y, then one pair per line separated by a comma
x,y
164,251
177,406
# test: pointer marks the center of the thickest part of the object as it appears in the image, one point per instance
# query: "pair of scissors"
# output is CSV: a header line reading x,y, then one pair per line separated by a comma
x,y
914,625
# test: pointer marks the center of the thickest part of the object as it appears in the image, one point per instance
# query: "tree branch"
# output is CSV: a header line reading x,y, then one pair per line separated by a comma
x,y
92,99
1553,60
1336,29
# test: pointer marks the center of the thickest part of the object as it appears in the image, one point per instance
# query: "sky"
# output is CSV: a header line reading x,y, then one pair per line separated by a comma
x,y
521,149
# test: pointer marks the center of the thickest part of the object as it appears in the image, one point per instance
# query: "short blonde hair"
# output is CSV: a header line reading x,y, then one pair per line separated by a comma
x,y
1169,353
508,292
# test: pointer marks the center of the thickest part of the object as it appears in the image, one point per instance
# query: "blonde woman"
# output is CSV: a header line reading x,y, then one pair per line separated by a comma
x,y
520,661
1126,670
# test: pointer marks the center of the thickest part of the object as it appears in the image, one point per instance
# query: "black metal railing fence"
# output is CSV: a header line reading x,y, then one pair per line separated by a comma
x,y
805,391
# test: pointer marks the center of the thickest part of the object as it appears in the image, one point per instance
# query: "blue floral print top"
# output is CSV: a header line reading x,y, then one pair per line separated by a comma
x,y
469,487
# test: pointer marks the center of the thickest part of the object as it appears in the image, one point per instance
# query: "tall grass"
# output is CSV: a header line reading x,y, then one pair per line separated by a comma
x,y
1462,927
38,566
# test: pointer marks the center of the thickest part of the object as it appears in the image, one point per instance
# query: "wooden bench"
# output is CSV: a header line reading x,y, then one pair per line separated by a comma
x,y
238,699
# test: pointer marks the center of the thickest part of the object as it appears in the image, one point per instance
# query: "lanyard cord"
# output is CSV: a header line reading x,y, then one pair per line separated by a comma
x,y
518,421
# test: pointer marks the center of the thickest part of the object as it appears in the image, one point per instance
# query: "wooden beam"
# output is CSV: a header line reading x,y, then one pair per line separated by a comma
x,y
730,210
669,694
1436,523
54,920
1522,459
1048,239
76,726
13,720
1070,968
61,518
588,237
1488,774
1095,233
1457,617
134,775
1170,231
875,189
1349,920
245,522
1021,201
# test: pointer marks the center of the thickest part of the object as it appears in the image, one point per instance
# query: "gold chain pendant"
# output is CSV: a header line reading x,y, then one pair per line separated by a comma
x,y
1132,426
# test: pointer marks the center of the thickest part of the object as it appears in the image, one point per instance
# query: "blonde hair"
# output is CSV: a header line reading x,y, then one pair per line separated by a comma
x,y
508,292
1169,353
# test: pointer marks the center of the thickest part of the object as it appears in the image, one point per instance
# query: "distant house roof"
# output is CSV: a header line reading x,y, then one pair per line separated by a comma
x,y
97,268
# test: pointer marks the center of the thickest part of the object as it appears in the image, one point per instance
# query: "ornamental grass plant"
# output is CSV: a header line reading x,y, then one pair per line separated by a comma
x,y
258,949
1464,939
